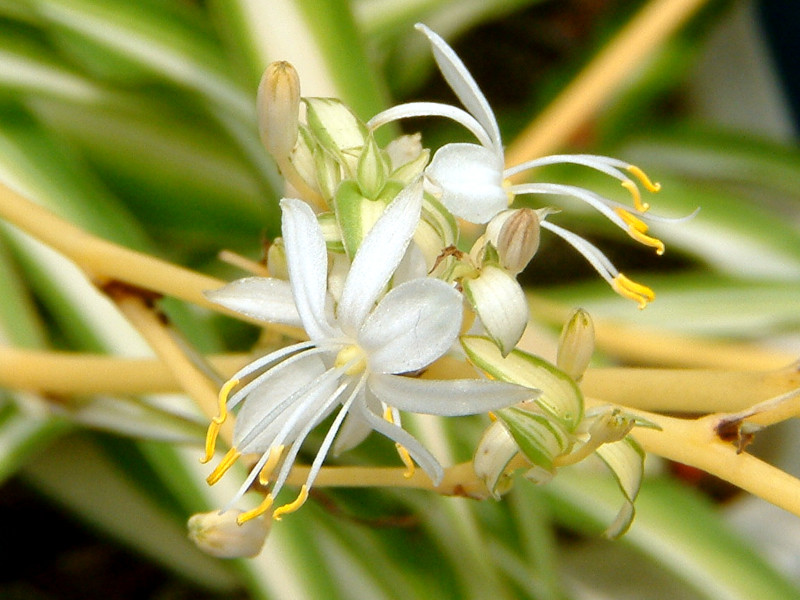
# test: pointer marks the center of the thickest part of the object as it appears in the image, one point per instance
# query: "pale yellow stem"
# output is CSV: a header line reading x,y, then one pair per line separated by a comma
x,y
100,258
105,261
697,391
688,391
695,443
607,72
70,373
189,377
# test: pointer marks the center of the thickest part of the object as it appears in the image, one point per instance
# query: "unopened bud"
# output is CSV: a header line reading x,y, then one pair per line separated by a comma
x,y
221,536
576,345
371,171
278,107
492,456
515,235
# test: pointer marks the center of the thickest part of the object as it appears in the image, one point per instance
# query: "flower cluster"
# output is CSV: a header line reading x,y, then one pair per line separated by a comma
x,y
371,266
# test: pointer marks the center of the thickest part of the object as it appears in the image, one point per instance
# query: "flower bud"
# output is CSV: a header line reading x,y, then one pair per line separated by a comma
x,y
278,107
371,171
218,534
515,235
576,345
492,456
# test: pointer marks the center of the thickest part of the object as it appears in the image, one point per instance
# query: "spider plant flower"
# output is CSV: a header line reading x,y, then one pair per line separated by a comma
x,y
470,179
354,361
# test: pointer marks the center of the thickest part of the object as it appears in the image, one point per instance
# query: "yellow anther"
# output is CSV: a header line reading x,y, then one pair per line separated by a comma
x,y
650,186
637,196
274,458
406,458
635,291
637,229
259,510
292,506
492,417
401,450
216,422
223,466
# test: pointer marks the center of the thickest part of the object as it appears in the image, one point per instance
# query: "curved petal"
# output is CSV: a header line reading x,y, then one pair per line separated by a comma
x,y
471,181
431,109
418,452
501,305
307,258
378,257
261,298
462,83
413,325
447,398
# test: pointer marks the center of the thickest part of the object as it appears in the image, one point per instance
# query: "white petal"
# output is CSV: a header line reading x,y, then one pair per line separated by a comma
x,y
418,452
262,298
413,265
447,398
355,428
501,305
471,181
378,257
269,407
464,86
432,109
413,325
307,258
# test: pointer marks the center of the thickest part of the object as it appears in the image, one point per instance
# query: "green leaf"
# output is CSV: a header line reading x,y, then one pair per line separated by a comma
x,y
676,528
560,395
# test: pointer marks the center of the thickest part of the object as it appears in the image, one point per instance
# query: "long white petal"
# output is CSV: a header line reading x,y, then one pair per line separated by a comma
x,y
378,257
471,181
464,86
432,109
501,305
262,298
413,325
418,452
307,258
447,398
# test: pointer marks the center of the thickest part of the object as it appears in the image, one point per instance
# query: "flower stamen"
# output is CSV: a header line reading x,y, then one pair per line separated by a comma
x,y
401,450
637,229
275,454
226,463
630,289
216,422
265,505
291,506
650,186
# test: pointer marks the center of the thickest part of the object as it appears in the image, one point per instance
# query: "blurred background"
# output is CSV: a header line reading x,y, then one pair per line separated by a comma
x,y
136,121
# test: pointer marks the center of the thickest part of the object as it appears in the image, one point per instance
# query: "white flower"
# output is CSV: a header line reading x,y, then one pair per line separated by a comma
x,y
473,184
358,350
